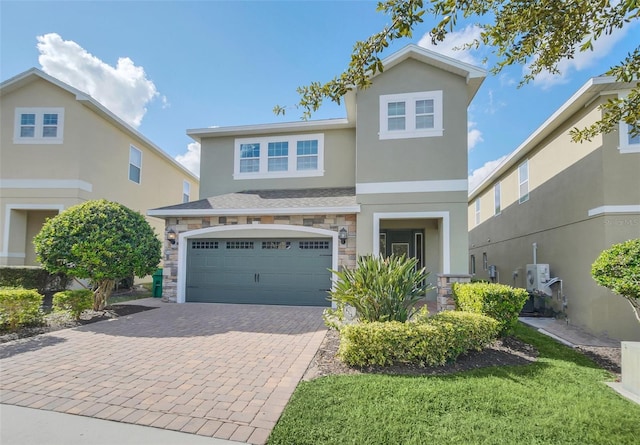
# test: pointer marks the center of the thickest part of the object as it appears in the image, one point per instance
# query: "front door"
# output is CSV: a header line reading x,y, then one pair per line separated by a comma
x,y
408,242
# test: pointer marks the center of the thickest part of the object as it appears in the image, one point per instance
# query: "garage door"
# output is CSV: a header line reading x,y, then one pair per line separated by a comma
x,y
259,271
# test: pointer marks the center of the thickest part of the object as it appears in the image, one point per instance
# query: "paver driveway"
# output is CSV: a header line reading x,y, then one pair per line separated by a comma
x,y
217,370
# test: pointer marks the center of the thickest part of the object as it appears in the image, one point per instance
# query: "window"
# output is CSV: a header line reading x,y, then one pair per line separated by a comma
x,y
38,125
411,115
472,264
135,164
523,180
485,261
628,143
186,191
496,199
279,156
477,209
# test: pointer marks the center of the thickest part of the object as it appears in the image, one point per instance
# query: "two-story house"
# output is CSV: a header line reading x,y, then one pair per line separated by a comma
x,y
60,147
286,202
555,202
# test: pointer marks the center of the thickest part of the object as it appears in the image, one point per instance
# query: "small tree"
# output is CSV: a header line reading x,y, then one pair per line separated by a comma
x,y
618,268
99,240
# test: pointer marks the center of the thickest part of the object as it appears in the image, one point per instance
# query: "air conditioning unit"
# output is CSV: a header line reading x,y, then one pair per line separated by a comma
x,y
538,279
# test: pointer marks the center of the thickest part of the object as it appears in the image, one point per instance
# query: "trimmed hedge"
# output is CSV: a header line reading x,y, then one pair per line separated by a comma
x,y
435,341
73,301
19,307
32,277
498,301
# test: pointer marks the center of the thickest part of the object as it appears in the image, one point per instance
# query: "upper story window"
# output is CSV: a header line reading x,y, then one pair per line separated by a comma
x,y
186,191
38,126
496,199
523,181
135,164
477,211
411,115
279,156
628,143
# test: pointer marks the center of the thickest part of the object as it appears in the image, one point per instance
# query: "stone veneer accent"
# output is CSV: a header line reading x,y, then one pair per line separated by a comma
x,y
346,252
444,299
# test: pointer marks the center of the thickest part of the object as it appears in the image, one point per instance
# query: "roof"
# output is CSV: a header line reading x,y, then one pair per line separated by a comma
x,y
593,88
474,77
311,201
25,78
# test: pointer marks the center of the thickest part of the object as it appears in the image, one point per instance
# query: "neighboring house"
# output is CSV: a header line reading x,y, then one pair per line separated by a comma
x,y
562,203
286,202
60,147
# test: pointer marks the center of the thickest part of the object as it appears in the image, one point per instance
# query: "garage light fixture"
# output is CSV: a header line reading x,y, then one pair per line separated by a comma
x,y
342,235
171,236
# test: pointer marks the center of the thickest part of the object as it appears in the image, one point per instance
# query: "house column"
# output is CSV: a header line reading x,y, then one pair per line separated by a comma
x,y
445,301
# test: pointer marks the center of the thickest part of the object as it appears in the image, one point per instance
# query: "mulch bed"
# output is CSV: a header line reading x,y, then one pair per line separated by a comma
x,y
507,351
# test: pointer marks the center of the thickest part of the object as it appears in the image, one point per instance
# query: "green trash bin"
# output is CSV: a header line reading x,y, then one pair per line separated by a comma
x,y
157,284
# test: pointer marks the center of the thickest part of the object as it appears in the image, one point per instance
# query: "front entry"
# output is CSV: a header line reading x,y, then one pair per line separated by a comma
x,y
408,242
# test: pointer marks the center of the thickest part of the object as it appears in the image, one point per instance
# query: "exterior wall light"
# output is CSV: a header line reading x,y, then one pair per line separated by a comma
x,y
342,235
171,236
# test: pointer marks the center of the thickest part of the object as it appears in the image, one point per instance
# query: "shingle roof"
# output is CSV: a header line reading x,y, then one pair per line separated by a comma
x,y
267,201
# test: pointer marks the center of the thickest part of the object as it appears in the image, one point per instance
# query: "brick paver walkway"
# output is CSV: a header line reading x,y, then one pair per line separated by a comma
x,y
224,371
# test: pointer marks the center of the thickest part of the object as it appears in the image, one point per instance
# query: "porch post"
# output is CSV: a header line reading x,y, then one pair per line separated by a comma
x,y
445,300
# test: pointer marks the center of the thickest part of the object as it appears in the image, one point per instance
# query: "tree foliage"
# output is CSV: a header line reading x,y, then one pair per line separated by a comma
x,y
618,268
539,34
99,240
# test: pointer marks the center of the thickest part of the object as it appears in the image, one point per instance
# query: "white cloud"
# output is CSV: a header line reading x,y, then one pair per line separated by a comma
x,y
580,61
191,159
454,40
474,136
124,90
479,174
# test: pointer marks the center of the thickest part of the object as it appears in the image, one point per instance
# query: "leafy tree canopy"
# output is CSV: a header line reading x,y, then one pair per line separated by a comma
x,y
537,33
100,240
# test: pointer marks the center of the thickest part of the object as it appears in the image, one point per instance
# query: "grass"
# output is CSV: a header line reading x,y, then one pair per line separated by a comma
x,y
130,296
560,399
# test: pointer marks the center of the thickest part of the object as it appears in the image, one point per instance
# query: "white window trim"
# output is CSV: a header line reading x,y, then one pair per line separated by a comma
x,y
291,172
477,211
39,112
129,164
497,199
625,146
186,186
410,100
523,198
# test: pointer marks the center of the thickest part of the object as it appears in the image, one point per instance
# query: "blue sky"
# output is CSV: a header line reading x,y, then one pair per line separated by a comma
x,y
166,66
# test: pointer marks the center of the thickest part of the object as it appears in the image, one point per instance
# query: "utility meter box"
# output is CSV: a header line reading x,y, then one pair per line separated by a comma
x,y
537,278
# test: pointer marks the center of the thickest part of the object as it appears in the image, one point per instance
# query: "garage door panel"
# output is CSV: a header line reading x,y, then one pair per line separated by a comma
x,y
271,271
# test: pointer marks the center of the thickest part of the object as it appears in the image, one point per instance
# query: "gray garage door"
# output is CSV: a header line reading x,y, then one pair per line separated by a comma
x,y
259,271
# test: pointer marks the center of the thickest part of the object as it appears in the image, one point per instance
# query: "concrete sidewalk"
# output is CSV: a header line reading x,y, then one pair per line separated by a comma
x,y
567,334
27,426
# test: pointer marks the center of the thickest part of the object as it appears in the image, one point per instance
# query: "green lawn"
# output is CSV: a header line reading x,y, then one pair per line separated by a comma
x,y
560,399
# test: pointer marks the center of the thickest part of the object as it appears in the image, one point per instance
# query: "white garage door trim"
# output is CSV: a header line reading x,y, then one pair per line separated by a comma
x,y
225,230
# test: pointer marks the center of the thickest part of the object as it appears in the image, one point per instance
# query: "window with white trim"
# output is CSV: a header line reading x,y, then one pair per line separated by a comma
x,y
472,264
496,199
135,164
411,115
186,191
628,143
477,209
523,182
38,126
293,156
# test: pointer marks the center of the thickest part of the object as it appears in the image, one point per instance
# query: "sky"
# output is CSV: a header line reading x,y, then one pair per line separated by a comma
x,y
168,66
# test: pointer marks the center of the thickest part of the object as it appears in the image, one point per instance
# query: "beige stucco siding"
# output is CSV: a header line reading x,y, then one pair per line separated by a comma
x,y
217,165
415,159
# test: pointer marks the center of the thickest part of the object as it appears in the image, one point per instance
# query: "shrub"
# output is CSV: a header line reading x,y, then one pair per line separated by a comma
x,y
32,277
436,341
381,289
74,302
498,301
19,307
618,268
